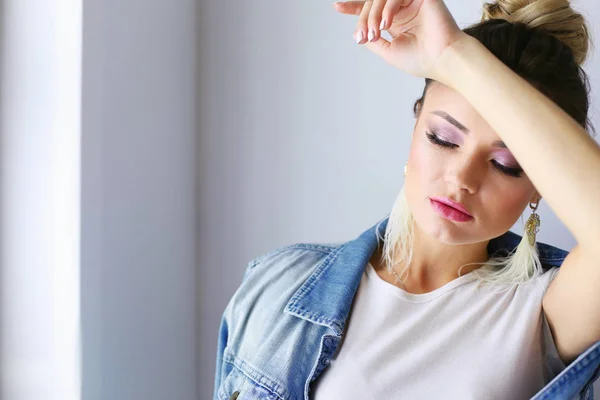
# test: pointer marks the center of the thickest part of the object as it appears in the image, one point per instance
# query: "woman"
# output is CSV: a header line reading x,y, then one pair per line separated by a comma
x,y
449,303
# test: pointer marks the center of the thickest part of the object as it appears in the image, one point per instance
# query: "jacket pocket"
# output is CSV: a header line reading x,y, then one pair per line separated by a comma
x,y
237,385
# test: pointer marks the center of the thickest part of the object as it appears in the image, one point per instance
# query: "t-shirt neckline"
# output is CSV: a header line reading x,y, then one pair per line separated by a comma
x,y
395,291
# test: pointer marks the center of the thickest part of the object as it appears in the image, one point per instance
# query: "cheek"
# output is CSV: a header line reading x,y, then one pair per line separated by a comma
x,y
509,206
424,161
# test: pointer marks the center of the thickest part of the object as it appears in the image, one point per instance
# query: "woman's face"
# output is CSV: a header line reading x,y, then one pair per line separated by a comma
x,y
468,172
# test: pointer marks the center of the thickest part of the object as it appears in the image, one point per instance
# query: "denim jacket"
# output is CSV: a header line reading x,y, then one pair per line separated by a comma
x,y
284,322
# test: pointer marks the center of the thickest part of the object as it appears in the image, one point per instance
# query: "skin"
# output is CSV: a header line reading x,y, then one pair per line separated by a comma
x,y
427,42
465,174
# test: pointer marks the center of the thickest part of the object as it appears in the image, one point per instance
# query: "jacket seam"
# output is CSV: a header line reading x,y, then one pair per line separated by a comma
x,y
248,370
578,366
552,259
306,246
591,381
308,286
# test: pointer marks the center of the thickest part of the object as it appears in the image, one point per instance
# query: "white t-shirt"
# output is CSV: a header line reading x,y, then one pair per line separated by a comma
x,y
455,342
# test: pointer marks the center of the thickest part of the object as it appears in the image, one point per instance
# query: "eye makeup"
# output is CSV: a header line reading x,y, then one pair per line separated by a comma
x,y
436,140
457,126
449,135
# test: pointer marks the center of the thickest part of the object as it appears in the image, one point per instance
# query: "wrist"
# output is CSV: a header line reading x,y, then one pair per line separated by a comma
x,y
453,58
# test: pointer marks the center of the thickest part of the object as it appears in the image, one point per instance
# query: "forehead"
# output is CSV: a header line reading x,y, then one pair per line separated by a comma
x,y
440,97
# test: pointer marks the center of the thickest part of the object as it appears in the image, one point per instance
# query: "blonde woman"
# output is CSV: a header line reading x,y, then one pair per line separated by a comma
x,y
440,299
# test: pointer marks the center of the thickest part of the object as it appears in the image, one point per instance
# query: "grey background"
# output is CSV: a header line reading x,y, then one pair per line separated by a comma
x,y
139,296
214,132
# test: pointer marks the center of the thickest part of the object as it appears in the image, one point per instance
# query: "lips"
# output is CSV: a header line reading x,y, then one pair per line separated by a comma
x,y
449,212
451,203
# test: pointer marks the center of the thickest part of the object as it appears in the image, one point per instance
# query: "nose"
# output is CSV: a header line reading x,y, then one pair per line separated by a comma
x,y
465,174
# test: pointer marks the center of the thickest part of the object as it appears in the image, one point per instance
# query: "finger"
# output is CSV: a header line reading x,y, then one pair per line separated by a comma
x,y
409,15
349,7
379,46
386,49
362,25
389,12
375,19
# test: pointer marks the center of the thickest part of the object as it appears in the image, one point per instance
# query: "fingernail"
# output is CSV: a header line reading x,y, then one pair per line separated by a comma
x,y
382,25
359,36
371,34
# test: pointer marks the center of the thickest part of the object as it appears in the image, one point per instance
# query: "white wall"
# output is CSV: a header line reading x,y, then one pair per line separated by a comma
x,y
39,207
139,291
98,174
304,138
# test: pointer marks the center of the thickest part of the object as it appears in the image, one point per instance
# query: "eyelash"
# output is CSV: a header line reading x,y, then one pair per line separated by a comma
x,y
515,172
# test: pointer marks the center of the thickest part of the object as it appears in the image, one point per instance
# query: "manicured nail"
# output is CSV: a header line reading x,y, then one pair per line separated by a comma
x,y
359,36
371,34
382,25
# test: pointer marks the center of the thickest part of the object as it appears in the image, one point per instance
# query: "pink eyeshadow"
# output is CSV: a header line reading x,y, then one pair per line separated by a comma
x,y
506,158
449,135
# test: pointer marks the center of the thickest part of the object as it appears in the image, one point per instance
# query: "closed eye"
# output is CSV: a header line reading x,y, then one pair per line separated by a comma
x,y
514,172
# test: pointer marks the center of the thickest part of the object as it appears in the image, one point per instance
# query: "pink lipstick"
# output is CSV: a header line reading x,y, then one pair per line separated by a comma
x,y
450,209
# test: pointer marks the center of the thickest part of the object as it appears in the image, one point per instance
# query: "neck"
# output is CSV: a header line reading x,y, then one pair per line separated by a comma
x,y
434,263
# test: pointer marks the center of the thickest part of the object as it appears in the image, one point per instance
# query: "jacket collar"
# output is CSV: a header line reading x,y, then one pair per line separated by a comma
x,y
325,297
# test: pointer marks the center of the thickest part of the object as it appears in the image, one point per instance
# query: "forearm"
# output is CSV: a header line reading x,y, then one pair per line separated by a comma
x,y
557,154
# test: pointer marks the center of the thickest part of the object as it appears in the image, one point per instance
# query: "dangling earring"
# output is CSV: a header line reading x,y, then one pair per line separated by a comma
x,y
532,226
405,165
526,252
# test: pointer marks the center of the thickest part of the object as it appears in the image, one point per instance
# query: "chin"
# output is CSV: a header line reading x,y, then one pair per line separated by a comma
x,y
444,230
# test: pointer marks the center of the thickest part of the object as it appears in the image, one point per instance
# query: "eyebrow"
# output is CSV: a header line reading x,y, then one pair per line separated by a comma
x,y
463,128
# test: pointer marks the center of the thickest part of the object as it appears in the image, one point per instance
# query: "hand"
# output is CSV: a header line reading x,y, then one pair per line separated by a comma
x,y
421,31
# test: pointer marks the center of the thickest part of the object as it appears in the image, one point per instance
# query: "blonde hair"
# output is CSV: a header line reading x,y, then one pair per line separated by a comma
x,y
556,17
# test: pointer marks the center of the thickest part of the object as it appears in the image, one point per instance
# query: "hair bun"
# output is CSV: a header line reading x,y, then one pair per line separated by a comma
x,y
554,16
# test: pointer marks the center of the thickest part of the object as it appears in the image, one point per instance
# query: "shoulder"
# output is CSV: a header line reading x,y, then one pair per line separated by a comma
x,y
274,276
551,256
544,279
269,282
296,257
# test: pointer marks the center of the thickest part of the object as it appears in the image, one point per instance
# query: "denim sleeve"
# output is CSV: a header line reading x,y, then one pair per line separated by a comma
x,y
222,342
223,337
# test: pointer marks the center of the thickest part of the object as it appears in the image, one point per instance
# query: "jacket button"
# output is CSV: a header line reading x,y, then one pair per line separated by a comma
x,y
234,395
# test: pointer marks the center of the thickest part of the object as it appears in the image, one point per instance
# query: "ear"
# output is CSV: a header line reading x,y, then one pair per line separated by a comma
x,y
536,198
417,108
